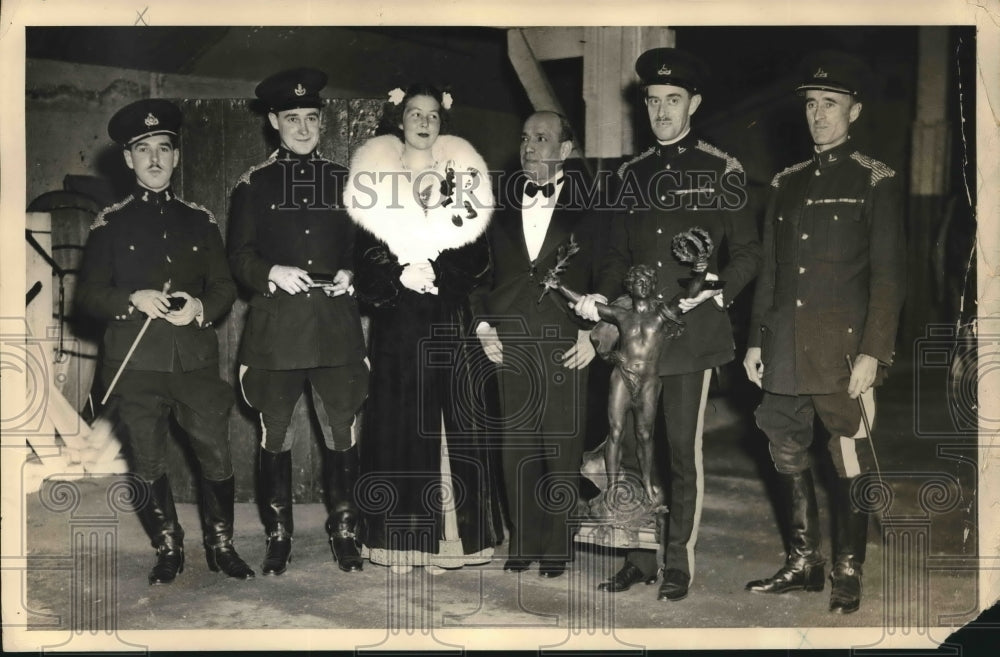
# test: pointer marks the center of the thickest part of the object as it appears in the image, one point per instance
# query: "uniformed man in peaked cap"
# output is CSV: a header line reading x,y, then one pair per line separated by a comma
x,y
155,270
290,244
824,323
681,181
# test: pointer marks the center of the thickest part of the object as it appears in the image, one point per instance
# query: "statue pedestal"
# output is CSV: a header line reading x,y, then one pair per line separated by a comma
x,y
609,535
621,518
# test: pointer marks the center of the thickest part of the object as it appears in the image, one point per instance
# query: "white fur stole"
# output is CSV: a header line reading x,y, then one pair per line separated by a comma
x,y
389,201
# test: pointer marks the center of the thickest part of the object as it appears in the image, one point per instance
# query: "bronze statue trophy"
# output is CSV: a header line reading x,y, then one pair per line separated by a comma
x,y
639,327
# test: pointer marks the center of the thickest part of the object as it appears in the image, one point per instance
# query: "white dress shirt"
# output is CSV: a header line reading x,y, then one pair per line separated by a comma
x,y
536,213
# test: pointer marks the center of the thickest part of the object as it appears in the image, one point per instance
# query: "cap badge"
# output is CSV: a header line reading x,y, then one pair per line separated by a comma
x,y
299,90
151,120
664,70
820,73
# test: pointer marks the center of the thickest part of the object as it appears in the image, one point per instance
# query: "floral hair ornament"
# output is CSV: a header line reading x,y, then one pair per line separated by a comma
x,y
396,96
446,100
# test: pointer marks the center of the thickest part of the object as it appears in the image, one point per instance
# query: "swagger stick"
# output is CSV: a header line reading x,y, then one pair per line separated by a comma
x,y
868,426
131,350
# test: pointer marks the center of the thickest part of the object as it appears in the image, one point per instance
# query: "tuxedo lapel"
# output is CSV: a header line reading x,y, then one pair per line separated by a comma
x,y
514,228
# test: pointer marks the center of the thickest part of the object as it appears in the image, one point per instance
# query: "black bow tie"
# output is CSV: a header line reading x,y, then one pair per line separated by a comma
x,y
547,190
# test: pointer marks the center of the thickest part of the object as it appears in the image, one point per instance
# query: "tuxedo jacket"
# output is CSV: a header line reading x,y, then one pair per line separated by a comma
x,y
511,297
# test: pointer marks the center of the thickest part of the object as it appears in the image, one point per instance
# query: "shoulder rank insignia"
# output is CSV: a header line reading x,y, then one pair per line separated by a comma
x,y
245,178
732,164
101,221
792,169
195,206
641,156
879,171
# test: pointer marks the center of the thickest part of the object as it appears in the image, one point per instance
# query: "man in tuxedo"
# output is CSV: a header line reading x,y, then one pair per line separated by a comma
x,y
540,347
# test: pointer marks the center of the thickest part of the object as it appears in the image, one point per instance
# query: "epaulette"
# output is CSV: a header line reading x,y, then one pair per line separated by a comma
x,y
317,156
195,206
878,169
788,170
101,221
641,156
732,164
245,178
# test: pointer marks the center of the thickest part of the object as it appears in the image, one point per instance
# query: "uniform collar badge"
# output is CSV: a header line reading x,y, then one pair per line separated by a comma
x,y
664,70
820,73
151,120
299,90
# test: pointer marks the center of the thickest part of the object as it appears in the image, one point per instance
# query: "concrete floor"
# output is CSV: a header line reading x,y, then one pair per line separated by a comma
x,y
86,570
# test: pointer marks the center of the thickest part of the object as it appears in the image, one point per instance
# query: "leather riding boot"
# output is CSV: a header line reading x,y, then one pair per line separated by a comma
x,y
849,550
340,474
159,517
276,509
803,569
217,499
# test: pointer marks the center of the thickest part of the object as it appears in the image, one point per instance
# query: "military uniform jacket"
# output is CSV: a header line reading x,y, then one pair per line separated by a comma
x,y
288,211
142,243
671,189
833,279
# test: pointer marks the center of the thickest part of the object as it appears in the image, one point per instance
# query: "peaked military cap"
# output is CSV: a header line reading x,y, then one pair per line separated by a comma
x,y
832,70
672,66
298,87
144,118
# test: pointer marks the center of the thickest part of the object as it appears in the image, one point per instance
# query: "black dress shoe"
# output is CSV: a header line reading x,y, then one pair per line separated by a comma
x,y
798,574
674,586
516,565
624,579
551,568
845,594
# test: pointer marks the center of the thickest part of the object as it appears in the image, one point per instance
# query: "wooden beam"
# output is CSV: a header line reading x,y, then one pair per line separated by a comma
x,y
529,71
548,43
608,75
533,78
